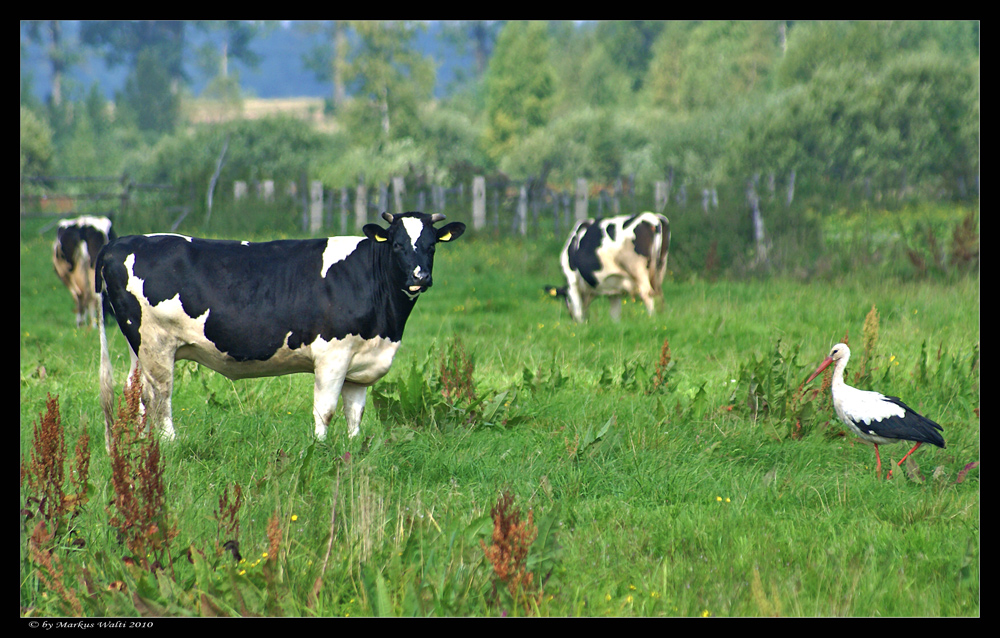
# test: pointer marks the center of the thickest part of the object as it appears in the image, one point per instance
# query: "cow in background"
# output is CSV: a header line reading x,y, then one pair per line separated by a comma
x,y
74,256
334,307
614,256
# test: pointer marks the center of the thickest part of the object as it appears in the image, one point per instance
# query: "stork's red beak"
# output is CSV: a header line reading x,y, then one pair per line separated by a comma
x,y
821,368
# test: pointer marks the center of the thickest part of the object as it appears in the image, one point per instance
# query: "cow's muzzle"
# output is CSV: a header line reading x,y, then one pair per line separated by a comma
x,y
416,285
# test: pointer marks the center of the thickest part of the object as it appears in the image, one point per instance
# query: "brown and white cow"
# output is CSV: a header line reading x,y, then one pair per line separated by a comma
x,y
74,255
334,307
614,256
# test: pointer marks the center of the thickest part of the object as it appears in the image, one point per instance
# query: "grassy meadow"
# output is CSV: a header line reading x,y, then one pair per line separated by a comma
x,y
664,466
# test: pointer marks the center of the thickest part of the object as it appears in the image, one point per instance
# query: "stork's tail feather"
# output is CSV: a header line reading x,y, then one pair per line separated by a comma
x,y
920,429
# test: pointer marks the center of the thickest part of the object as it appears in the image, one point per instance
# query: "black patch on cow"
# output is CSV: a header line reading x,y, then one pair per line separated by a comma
x,y
96,240
117,302
644,236
70,237
665,244
584,258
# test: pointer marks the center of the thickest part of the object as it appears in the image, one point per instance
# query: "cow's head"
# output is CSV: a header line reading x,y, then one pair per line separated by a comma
x,y
411,238
560,292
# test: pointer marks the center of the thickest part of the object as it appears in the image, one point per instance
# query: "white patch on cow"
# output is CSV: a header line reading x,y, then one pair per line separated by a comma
x,y
165,326
337,249
244,243
413,228
101,223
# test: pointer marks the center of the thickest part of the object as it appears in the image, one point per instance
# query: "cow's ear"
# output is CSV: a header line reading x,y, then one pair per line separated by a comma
x,y
375,232
450,232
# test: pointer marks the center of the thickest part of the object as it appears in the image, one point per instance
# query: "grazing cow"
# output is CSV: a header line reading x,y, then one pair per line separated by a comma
x,y
335,307
74,255
614,256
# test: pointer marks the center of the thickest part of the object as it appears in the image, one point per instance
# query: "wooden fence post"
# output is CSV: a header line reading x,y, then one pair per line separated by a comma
x,y
383,198
344,199
398,191
758,221
581,211
478,202
361,207
437,198
522,211
315,206
267,190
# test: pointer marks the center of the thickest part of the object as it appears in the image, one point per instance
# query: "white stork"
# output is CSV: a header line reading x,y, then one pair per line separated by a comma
x,y
873,416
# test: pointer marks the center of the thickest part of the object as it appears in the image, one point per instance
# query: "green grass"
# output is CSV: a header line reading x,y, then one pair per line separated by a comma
x,y
679,501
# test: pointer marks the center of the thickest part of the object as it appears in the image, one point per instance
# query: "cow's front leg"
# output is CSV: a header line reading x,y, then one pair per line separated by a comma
x,y
577,303
326,390
616,307
354,406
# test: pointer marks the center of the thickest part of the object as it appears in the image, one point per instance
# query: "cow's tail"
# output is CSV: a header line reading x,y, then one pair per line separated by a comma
x,y
659,254
107,392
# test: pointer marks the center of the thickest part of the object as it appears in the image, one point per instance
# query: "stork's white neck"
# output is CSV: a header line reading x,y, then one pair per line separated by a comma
x,y
838,372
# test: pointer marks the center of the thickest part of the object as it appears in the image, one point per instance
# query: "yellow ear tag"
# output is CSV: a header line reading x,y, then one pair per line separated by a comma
x,y
380,238
445,237
552,293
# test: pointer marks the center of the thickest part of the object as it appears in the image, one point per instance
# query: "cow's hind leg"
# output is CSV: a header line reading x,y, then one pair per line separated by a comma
x,y
353,396
157,388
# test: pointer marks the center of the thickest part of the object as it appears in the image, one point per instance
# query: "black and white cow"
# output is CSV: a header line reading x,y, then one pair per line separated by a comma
x,y
614,256
335,307
74,255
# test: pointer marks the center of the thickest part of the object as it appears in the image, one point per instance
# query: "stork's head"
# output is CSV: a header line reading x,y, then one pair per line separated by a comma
x,y
837,352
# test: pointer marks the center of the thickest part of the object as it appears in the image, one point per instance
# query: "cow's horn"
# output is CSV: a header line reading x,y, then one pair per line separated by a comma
x,y
437,217
387,217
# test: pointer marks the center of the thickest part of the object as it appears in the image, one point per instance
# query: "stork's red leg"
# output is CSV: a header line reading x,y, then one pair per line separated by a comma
x,y
904,457
908,454
878,462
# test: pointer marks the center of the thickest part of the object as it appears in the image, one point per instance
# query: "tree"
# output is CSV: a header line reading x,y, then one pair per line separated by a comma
x,y
630,44
147,99
329,60
479,35
237,36
520,86
391,79
36,144
60,57
904,124
703,65
153,51
812,45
